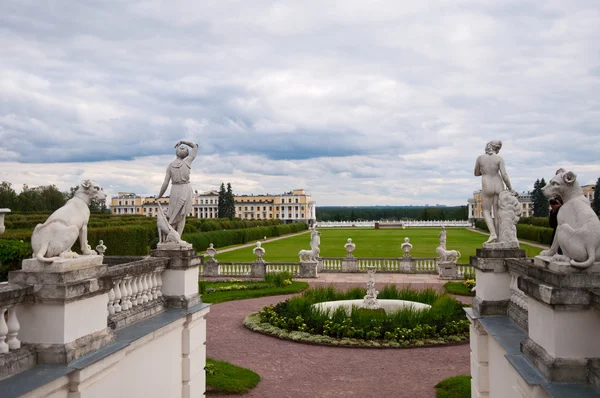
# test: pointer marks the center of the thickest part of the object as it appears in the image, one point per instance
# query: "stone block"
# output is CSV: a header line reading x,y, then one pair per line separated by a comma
x,y
478,344
480,374
406,265
447,270
194,337
66,353
211,268
258,269
488,307
500,253
61,265
350,264
194,363
308,269
554,369
178,259
492,286
17,361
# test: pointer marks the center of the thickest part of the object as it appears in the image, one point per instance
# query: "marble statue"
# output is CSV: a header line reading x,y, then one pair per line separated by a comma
x,y
490,166
443,237
578,232
259,251
166,233
53,239
313,253
370,300
349,248
178,173
101,248
211,251
406,247
509,212
2,213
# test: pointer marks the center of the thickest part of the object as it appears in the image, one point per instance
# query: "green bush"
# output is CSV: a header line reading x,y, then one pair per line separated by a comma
x,y
221,238
480,224
279,279
12,252
444,320
123,241
534,233
537,221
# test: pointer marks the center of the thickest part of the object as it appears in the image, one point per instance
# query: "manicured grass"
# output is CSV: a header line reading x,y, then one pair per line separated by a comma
x,y
454,387
223,377
458,288
371,243
220,297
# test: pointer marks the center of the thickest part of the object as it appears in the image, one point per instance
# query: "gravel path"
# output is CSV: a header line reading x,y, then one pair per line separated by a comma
x,y
290,369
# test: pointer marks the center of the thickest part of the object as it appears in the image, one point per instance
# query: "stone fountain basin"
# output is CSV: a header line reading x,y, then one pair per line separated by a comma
x,y
388,305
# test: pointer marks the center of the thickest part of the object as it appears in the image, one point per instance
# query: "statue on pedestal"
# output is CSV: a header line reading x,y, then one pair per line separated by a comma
x,y
181,196
490,166
259,251
406,247
349,248
578,231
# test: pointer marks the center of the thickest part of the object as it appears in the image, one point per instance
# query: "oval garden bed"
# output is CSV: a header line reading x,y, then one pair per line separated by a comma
x,y
299,320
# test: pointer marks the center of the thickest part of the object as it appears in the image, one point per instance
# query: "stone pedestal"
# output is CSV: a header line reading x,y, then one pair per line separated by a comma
x,y
493,280
211,268
350,264
180,278
447,270
258,269
68,317
406,265
563,324
308,269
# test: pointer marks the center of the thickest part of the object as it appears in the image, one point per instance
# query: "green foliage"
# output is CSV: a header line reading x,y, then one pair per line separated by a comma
x,y
279,279
220,295
480,224
540,202
223,377
360,213
201,240
454,387
125,240
460,288
12,252
596,200
229,202
535,234
405,326
221,201
537,221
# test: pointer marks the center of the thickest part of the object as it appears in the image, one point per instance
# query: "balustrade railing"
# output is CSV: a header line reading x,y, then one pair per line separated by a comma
x,y
11,295
293,268
137,288
235,269
425,265
331,264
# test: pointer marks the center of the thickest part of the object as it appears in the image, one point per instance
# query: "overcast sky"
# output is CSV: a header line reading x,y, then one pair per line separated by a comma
x,y
358,102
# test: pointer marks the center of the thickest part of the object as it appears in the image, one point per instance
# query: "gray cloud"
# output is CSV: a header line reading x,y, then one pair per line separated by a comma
x,y
358,103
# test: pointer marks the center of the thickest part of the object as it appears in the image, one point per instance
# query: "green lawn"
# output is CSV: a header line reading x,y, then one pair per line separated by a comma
x,y
371,243
221,297
454,387
223,377
458,288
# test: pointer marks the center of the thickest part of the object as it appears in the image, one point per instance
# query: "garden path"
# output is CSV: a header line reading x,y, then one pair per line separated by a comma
x,y
295,370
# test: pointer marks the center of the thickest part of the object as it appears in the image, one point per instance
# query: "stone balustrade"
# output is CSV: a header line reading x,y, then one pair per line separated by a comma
x,y
383,223
13,357
293,268
235,269
136,292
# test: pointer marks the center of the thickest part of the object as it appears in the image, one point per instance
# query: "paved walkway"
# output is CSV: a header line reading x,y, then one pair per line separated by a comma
x,y
296,370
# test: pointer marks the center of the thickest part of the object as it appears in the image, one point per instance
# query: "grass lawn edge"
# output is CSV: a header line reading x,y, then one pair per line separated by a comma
x,y
229,378
222,297
252,322
458,289
454,387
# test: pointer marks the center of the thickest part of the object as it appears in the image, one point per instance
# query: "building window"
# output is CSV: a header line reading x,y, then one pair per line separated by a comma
x,y
119,203
296,200
290,200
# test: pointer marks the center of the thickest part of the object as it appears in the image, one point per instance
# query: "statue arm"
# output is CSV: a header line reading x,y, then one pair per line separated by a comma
x,y
477,168
165,184
505,175
193,152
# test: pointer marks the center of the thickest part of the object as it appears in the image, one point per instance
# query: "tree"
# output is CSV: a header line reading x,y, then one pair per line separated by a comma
x,y
596,201
230,202
540,202
8,196
222,202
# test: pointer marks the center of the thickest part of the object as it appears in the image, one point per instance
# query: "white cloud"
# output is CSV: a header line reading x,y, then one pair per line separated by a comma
x,y
359,102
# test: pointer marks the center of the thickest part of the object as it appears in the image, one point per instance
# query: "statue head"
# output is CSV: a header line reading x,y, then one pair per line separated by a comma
x,y
406,240
182,152
493,146
349,240
258,244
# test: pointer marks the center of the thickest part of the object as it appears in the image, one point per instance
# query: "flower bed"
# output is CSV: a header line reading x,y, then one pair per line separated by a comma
x,y
297,319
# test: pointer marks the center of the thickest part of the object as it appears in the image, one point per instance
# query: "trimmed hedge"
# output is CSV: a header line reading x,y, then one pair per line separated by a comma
x,y
11,254
131,240
201,240
537,221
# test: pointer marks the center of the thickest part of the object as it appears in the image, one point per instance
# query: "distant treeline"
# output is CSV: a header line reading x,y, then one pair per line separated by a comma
x,y
369,213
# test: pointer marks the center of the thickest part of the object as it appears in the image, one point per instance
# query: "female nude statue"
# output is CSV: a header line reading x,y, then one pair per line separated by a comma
x,y
491,167
178,172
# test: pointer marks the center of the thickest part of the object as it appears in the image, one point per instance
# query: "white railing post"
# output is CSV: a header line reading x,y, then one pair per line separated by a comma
x,y
3,331
13,329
